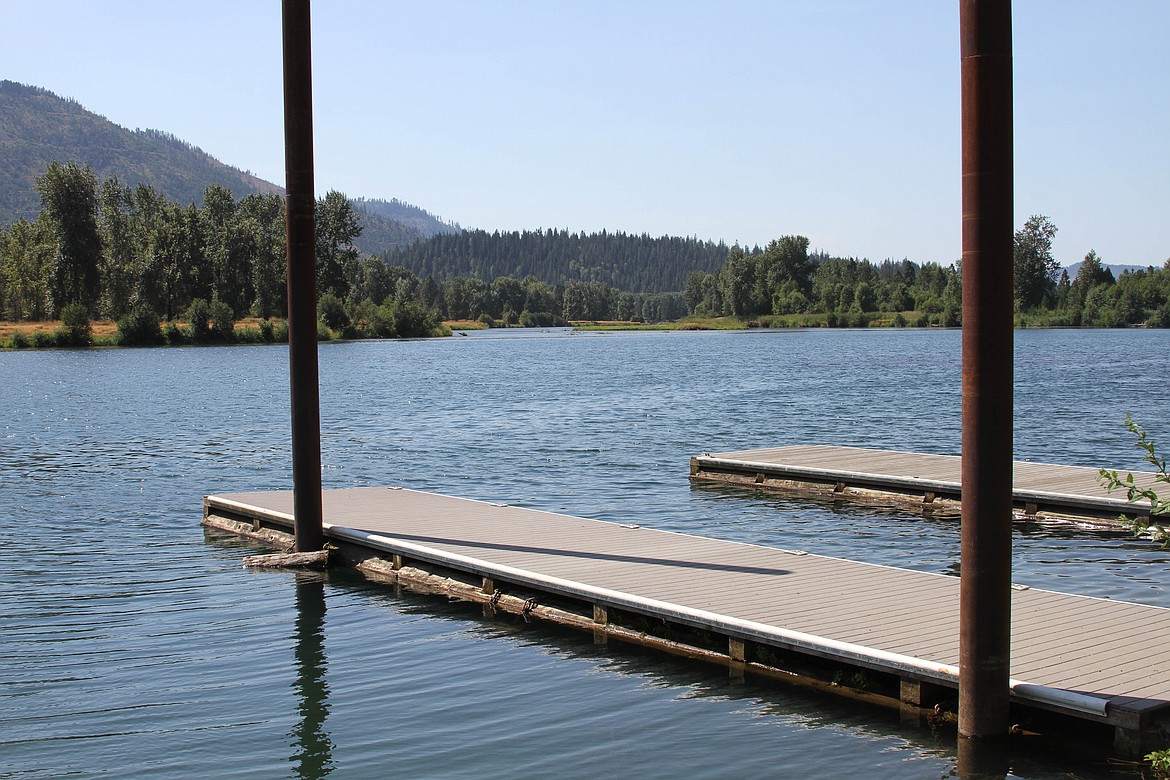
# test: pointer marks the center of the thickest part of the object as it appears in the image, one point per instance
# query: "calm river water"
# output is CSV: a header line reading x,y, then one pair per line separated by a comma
x,y
132,644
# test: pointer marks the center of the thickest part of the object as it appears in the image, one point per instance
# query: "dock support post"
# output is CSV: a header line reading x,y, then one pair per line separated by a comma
x,y
300,224
601,618
988,297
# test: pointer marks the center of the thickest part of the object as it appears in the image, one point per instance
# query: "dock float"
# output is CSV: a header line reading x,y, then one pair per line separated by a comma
x,y
749,606
928,482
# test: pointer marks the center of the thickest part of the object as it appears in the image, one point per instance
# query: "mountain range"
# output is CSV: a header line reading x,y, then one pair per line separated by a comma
x,y
38,127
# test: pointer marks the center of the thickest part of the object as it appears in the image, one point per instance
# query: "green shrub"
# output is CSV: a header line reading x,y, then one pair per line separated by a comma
x,y
140,326
247,336
540,319
413,320
900,320
42,340
1159,762
173,334
280,331
223,322
75,330
19,340
1156,520
331,311
198,314
266,332
383,324
1161,317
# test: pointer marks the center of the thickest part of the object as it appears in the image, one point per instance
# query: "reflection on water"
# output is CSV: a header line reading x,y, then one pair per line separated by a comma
x,y
982,759
313,749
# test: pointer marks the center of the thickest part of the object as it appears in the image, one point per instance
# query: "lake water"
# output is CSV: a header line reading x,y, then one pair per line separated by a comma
x,y
132,644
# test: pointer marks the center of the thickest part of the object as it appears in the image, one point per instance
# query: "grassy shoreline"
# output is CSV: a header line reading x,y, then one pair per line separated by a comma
x,y
104,334
52,334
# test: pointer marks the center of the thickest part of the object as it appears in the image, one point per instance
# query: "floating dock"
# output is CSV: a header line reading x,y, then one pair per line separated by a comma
x,y
929,482
746,605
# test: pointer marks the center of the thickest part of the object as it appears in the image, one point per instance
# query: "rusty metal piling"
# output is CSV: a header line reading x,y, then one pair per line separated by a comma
x,y
985,592
300,202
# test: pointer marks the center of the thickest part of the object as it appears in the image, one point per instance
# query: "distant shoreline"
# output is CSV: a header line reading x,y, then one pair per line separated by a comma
x,y
48,334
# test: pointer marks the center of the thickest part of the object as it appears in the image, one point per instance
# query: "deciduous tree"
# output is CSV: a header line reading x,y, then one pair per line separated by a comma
x,y
1035,267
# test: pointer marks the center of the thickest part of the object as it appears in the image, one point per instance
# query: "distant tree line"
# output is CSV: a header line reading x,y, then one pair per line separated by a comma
x,y
109,251
639,264
784,278
532,301
104,250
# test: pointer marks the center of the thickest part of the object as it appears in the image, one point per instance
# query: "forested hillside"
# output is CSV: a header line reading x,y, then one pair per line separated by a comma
x,y
632,263
391,224
38,127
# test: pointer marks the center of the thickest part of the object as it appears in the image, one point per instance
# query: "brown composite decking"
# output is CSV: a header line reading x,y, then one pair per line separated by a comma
x,y
1113,656
1059,489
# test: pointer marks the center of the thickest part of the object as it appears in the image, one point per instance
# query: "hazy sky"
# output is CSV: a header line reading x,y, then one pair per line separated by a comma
x,y
740,121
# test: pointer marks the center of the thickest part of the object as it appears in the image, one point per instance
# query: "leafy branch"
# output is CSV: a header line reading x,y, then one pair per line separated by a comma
x,y
1155,524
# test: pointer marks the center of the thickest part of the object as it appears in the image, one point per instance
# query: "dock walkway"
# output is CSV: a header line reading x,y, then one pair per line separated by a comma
x,y
931,481
1096,659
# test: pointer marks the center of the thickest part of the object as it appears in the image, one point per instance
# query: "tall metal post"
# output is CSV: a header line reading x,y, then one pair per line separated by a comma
x,y
300,202
985,591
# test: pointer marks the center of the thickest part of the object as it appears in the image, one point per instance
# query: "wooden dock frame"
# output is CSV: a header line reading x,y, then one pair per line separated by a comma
x,y
924,482
385,544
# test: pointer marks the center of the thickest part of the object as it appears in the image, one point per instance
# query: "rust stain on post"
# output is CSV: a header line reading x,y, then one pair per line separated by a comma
x,y
985,594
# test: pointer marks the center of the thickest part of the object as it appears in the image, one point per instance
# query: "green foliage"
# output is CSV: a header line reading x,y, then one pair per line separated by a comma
x,y
337,257
540,319
413,320
140,327
1035,267
27,259
198,316
1159,762
626,262
69,200
43,340
1155,524
223,322
20,340
75,330
331,311
173,334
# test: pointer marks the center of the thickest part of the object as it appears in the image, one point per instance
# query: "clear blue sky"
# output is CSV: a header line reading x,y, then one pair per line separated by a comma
x,y
741,121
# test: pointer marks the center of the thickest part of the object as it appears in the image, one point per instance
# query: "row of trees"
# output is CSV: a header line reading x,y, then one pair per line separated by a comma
x,y
508,300
784,278
625,262
111,249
